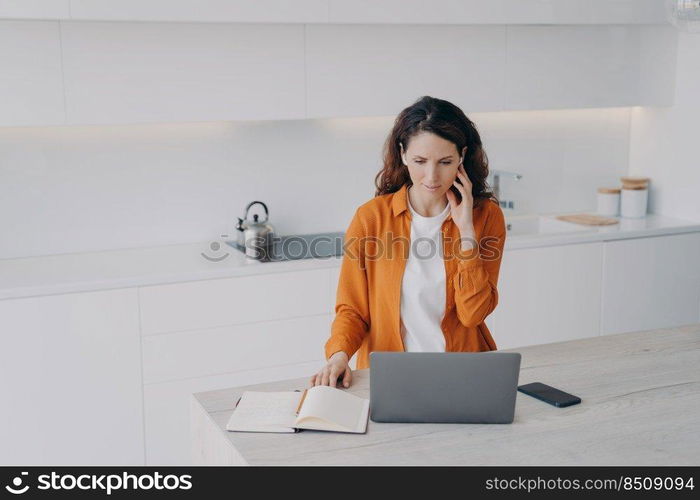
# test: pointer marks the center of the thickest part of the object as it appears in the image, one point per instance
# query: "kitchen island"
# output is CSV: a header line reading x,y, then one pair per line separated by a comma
x,y
640,404
164,322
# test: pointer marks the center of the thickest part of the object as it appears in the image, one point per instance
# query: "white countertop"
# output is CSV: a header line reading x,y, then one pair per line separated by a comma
x,y
639,403
78,272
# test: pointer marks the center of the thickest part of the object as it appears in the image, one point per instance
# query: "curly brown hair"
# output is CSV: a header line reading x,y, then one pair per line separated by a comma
x,y
429,114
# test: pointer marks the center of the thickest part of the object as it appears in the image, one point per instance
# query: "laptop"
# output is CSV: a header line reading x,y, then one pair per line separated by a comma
x,y
443,387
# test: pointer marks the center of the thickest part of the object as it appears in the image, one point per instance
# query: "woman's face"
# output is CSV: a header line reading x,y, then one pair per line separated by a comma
x,y
432,163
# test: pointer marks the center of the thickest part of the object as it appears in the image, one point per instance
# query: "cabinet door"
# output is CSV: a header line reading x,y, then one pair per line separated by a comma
x,y
227,11
70,371
168,438
651,283
36,9
198,305
253,346
214,359
589,66
380,69
31,83
162,72
211,334
548,294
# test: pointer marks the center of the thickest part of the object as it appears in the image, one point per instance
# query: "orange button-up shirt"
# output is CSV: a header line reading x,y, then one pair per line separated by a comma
x,y
377,245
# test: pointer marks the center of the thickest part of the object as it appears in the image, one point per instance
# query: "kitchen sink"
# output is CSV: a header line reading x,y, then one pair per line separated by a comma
x,y
533,225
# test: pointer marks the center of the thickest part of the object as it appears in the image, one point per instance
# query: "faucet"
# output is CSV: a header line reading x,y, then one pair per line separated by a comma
x,y
497,174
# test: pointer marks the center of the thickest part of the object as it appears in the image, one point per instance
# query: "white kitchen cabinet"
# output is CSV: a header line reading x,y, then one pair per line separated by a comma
x,y
204,304
370,70
71,380
380,69
199,353
548,294
168,439
166,406
35,9
589,66
31,86
159,72
204,335
346,11
218,11
102,72
496,11
650,283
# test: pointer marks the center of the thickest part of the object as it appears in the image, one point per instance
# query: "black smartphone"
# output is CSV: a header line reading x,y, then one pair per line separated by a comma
x,y
549,394
456,191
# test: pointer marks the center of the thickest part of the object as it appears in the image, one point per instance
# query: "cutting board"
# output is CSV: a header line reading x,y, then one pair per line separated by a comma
x,y
588,219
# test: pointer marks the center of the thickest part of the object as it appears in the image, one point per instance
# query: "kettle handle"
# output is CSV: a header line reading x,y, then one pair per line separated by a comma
x,y
247,208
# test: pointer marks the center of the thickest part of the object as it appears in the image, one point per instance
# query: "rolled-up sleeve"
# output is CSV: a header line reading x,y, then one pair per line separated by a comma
x,y
476,280
352,319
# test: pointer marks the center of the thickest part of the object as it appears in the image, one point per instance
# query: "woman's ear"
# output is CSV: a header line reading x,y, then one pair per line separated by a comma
x,y
403,160
464,153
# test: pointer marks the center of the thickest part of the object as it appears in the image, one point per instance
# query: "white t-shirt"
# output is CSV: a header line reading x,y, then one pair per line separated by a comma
x,y
423,286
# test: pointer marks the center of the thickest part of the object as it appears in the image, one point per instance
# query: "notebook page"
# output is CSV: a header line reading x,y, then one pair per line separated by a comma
x,y
334,405
260,410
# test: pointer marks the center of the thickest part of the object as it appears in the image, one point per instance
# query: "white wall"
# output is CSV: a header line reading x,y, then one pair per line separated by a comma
x,y
665,144
564,155
82,188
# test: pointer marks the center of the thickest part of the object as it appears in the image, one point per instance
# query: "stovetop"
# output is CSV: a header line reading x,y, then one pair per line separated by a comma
x,y
301,246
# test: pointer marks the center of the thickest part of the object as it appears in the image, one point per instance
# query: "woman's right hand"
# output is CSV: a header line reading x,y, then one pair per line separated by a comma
x,y
336,369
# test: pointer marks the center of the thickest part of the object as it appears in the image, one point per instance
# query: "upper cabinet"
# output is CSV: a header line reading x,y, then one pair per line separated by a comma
x,y
589,66
30,74
496,11
280,59
365,70
344,11
35,9
156,72
216,11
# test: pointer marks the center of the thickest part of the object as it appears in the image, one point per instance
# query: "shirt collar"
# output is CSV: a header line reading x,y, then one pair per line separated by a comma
x,y
399,202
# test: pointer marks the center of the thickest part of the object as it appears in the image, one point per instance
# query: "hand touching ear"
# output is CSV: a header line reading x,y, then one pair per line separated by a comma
x,y
462,212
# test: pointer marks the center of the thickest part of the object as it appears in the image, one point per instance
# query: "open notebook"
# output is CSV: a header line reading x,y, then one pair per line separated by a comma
x,y
320,408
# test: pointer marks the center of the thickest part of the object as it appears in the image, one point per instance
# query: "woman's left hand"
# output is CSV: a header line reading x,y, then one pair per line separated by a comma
x,y
462,213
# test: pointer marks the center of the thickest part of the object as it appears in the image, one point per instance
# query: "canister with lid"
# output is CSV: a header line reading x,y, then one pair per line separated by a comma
x,y
608,201
634,182
633,201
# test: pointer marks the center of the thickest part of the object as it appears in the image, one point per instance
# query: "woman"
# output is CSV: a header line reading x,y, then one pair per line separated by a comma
x,y
422,257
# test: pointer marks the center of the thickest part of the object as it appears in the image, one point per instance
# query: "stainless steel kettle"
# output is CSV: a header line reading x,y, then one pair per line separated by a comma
x,y
255,235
